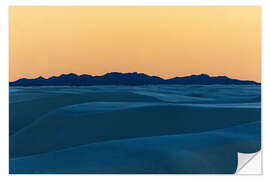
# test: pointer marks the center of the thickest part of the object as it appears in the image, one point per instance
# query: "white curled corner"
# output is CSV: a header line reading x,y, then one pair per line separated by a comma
x,y
249,163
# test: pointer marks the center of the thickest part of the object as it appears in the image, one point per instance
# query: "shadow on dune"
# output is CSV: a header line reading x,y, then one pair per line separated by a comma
x,y
95,122
208,152
24,113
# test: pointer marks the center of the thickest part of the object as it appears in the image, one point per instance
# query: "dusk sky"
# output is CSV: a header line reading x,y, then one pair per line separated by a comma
x,y
161,41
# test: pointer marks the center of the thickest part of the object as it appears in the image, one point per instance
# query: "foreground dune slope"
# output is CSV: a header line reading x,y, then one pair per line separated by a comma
x,y
206,152
103,121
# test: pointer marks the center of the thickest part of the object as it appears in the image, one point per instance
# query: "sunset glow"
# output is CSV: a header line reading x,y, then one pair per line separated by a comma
x,y
161,41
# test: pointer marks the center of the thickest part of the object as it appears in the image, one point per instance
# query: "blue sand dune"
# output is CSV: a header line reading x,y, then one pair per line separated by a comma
x,y
206,152
133,129
103,121
29,106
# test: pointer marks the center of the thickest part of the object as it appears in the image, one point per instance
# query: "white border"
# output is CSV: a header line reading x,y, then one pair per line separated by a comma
x,y
4,76
136,2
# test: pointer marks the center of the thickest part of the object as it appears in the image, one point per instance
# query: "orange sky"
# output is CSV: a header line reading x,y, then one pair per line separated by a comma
x,y
162,41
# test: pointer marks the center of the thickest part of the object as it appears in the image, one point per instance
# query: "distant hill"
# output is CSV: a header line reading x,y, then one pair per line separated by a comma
x,y
116,78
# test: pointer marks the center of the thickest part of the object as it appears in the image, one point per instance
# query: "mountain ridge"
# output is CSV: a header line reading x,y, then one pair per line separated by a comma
x,y
134,78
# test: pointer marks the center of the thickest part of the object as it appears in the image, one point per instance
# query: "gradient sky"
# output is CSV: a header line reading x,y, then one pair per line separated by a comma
x,y
162,41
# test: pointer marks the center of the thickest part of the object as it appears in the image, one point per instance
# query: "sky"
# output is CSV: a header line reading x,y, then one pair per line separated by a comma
x,y
161,41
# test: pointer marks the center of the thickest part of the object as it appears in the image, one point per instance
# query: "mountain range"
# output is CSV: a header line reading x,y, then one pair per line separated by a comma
x,y
117,78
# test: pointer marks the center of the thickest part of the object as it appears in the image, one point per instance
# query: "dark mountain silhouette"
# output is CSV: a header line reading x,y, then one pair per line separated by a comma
x,y
116,78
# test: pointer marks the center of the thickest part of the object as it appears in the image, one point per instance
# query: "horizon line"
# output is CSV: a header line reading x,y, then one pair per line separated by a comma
x,y
133,73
